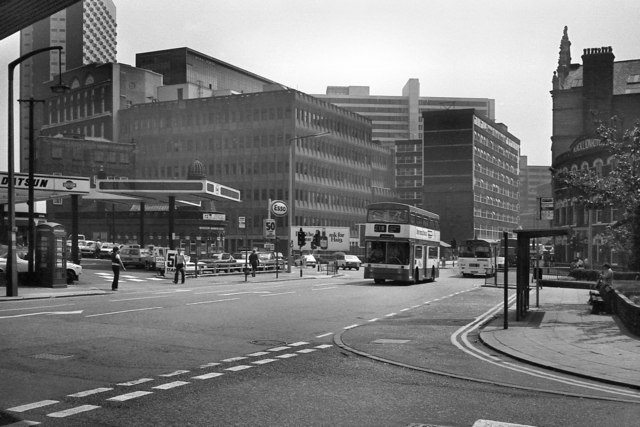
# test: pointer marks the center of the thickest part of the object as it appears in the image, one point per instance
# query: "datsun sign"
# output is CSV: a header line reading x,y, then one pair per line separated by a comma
x,y
279,208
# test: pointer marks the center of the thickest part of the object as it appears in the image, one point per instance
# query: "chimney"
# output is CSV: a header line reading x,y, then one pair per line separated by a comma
x,y
597,85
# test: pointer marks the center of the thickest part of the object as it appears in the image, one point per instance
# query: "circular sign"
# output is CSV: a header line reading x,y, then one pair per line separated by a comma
x,y
279,208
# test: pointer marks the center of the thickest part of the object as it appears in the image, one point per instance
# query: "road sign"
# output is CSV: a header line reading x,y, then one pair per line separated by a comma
x,y
279,208
269,228
241,223
546,208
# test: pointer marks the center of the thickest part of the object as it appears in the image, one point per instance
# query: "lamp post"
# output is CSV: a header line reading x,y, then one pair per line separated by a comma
x,y
11,271
291,210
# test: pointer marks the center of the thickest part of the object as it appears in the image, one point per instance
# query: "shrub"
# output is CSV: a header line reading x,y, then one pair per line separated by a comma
x,y
587,275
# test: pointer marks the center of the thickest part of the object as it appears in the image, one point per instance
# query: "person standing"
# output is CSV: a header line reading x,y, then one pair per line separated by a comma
x,y
606,291
253,260
116,264
180,263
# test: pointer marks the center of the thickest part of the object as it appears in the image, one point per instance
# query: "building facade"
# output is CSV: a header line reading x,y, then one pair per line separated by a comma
x,y
243,142
396,118
470,174
583,96
535,184
87,32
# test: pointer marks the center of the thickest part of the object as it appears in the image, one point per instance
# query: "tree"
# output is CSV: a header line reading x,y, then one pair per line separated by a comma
x,y
619,188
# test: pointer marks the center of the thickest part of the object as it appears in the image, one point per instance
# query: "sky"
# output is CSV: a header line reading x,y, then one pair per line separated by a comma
x,y
506,50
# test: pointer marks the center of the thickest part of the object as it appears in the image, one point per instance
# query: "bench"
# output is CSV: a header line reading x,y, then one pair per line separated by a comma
x,y
596,301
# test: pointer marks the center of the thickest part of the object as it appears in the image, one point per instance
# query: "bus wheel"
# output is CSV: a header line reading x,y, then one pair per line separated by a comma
x,y
378,281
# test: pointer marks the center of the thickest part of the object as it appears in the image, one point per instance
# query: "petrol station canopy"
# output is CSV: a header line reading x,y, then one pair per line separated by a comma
x,y
45,187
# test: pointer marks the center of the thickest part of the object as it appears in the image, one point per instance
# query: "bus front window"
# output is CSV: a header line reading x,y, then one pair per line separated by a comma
x,y
375,252
398,253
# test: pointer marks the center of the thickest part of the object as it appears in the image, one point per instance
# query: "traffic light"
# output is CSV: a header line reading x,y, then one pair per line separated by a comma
x,y
302,237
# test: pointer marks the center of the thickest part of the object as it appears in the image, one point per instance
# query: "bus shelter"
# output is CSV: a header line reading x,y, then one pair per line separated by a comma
x,y
523,262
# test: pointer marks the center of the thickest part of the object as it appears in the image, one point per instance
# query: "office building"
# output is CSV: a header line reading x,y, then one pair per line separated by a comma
x,y
396,118
585,95
470,174
243,142
535,184
87,32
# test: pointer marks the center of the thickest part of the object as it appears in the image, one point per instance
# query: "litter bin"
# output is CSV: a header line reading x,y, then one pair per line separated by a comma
x,y
51,259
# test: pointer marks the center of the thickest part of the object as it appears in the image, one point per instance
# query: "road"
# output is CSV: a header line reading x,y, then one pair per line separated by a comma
x,y
222,351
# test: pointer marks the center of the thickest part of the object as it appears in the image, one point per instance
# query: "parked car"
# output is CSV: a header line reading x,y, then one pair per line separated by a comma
x,y
345,261
88,250
106,249
136,257
222,261
267,260
305,260
22,265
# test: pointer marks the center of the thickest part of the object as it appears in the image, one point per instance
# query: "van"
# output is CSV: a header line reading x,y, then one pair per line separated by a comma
x,y
345,261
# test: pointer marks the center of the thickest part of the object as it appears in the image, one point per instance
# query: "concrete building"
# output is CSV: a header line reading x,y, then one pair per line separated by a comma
x,y
470,174
397,118
583,96
87,32
535,183
243,142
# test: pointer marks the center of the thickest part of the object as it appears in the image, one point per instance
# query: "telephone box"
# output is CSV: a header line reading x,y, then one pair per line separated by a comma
x,y
51,260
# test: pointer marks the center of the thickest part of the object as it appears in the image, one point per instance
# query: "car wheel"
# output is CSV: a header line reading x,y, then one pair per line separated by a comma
x,y
357,268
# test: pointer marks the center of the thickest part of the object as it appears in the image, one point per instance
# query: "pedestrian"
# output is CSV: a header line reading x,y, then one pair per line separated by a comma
x,y
253,260
116,264
180,262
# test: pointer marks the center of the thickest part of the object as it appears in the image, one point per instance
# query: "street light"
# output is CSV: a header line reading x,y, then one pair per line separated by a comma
x,y
11,270
291,214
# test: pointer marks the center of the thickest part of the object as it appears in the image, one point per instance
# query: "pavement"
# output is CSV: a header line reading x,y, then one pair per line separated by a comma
x,y
560,334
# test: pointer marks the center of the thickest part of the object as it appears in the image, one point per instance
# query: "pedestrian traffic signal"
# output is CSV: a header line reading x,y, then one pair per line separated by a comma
x,y
302,237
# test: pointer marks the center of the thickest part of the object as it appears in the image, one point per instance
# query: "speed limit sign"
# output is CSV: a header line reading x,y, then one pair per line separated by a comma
x,y
269,228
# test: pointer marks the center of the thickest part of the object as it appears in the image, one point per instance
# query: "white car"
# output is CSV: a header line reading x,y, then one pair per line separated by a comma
x,y
73,270
305,260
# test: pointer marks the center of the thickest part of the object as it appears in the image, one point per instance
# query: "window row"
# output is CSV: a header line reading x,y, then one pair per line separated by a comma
x,y
485,213
493,201
478,151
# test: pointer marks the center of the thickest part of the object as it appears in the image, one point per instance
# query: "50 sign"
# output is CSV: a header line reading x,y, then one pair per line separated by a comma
x,y
269,228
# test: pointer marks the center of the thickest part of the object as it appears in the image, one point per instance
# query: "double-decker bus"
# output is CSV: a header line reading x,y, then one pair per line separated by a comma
x,y
402,243
477,257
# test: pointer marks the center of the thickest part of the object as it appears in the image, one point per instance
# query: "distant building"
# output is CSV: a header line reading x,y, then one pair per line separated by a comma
x,y
469,174
396,118
584,95
87,32
535,183
243,142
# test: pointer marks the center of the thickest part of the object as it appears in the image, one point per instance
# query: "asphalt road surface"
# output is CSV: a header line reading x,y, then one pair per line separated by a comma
x,y
222,351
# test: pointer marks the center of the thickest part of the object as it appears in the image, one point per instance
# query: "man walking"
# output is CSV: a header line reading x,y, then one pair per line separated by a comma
x,y
253,260
116,264
180,263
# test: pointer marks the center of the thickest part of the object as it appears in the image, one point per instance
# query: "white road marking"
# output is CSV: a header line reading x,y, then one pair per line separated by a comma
x,y
351,326
173,374
207,376
373,320
259,353
286,356
209,365
123,311
279,293
235,359
34,308
307,350
90,392
324,335
139,298
72,411
238,368
136,382
264,361
211,302
278,348
34,405
390,314
323,289
405,309
322,346
169,386
129,396
298,344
